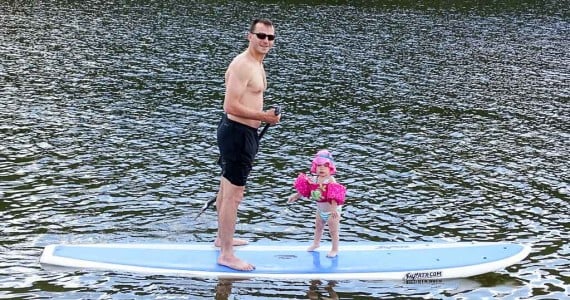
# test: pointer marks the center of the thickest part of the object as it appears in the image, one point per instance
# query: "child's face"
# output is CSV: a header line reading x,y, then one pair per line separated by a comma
x,y
323,170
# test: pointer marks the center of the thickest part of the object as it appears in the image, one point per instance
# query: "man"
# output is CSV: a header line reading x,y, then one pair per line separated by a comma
x,y
237,134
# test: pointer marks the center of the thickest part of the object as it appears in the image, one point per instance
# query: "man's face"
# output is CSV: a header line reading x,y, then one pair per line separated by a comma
x,y
262,38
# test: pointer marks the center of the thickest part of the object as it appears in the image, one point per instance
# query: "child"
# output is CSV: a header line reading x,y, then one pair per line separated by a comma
x,y
328,194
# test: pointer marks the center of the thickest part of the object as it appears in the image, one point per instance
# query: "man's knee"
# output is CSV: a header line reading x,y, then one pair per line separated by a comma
x,y
235,198
232,193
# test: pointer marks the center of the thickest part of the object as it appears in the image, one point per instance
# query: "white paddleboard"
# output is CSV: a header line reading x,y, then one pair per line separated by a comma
x,y
360,261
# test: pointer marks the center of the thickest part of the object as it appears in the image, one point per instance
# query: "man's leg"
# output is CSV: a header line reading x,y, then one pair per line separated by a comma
x,y
231,197
218,242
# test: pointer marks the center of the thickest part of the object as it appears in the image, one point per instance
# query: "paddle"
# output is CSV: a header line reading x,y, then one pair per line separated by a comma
x,y
263,131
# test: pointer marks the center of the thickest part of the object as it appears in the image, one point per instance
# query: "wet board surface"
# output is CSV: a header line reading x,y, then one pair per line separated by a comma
x,y
360,261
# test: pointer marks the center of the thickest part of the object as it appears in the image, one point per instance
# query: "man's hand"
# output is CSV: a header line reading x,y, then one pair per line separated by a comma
x,y
270,117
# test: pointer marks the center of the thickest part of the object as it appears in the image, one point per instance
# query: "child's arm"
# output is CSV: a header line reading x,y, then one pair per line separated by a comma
x,y
334,213
294,198
302,186
336,193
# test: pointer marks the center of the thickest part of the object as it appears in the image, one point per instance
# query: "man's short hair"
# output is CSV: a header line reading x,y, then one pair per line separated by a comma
x,y
263,21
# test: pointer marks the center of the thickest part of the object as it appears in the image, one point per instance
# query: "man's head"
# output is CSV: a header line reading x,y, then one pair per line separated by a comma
x,y
261,35
260,22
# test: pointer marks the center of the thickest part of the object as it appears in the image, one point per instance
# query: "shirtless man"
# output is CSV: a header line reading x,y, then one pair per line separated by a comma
x,y
237,135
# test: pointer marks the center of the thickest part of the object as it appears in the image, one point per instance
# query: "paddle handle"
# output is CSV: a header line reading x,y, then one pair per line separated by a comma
x,y
277,112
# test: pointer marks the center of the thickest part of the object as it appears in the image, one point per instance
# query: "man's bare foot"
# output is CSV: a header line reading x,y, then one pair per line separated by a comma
x,y
235,242
313,247
235,263
332,253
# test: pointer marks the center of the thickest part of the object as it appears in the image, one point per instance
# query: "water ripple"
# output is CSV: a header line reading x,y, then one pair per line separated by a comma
x,y
447,124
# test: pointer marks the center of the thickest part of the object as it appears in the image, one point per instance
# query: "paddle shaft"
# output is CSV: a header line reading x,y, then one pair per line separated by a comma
x,y
261,134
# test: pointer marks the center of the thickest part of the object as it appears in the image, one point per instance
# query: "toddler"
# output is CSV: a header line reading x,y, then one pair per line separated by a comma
x,y
328,194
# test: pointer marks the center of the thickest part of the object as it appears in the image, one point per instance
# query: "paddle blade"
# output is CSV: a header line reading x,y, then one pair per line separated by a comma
x,y
205,207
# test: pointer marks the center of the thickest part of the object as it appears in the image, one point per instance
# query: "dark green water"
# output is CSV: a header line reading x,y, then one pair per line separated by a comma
x,y
449,122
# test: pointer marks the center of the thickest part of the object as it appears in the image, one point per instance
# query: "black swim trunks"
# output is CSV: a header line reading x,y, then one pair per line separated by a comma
x,y
238,144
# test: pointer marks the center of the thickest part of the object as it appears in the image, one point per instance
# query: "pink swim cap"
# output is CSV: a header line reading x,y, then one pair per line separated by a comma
x,y
323,157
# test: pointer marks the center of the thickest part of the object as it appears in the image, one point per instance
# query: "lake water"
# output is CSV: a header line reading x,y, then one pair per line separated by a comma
x,y
448,122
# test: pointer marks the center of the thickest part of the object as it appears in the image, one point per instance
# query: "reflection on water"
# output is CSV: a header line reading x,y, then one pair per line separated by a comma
x,y
447,123
318,291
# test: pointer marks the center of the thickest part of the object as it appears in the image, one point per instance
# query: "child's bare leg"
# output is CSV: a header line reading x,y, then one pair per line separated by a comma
x,y
319,228
334,224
